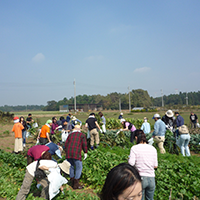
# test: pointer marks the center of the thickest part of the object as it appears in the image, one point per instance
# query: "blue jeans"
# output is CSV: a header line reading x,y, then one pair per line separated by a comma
x,y
184,141
24,136
75,163
148,187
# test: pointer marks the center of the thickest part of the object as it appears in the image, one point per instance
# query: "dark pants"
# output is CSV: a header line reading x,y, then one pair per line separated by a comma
x,y
132,138
43,141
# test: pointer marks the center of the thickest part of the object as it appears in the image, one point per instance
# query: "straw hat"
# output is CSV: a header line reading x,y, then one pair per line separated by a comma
x,y
169,113
65,166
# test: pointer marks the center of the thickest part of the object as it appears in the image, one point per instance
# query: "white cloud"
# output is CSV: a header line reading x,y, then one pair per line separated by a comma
x,y
142,69
94,58
38,58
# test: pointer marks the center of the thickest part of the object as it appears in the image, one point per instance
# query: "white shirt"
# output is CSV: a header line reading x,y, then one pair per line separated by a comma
x,y
48,163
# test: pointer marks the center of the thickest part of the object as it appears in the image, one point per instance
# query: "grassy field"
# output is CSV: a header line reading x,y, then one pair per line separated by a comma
x,y
44,115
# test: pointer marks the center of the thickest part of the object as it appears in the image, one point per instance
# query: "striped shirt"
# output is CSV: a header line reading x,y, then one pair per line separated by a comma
x,y
144,157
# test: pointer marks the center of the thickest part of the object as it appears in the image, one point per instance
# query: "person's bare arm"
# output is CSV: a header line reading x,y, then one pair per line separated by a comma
x,y
48,137
86,125
39,134
97,125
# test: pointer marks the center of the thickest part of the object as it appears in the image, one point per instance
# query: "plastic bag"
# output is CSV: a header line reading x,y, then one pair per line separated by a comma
x,y
88,134
64,136
151,141
35,125
27,134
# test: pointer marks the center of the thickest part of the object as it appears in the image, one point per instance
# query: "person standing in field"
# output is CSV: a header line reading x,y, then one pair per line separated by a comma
x,y
127,126
75,121
146,126
23,122
54,126
159,133
92,125
193,120
29,120
75,143
179,119
43,135
17,129
144,158
120,116
68,118
103,121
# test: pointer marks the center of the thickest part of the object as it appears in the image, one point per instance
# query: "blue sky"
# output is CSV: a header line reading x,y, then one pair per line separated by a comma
x,y
106,46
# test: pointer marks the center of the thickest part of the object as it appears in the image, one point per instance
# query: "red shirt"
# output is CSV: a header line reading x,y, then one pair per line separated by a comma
x,y
75,142
36,151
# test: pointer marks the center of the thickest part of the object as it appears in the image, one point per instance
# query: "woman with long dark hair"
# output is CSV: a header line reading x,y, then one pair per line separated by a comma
x,y
144,157
23,122
122,182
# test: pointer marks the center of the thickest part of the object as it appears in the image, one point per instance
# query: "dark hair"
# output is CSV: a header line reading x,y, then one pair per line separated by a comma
x,y
92,114
141,137
20,119
46,156
100,114
118,179
29,114
124,125
176,113
61,118
53,118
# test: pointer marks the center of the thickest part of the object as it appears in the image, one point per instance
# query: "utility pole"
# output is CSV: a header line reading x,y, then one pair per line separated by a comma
x,y
129,99
120,105
74,96
186,99
162,98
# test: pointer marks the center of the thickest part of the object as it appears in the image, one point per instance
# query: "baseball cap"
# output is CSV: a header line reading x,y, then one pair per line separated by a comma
x,y
156,116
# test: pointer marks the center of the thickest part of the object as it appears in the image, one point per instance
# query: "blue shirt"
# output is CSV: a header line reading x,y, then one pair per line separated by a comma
x,y
68,118
146,127
53,149
159,128
179,121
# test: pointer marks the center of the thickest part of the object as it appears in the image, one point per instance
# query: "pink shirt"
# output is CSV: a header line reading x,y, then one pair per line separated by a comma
x,y
132,128
144,157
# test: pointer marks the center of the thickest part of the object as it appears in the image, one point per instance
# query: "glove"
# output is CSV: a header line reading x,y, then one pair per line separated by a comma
x,y
121,129
85,156
118,132
101,131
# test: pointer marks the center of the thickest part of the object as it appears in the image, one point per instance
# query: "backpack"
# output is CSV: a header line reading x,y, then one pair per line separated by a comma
x,y
183,129
39,174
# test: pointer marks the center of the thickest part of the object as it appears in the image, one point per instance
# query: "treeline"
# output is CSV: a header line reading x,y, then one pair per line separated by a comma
x,y
7,108
193,98
138,98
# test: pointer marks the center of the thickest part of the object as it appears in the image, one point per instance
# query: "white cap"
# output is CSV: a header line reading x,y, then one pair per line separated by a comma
x,y
156,116
121,113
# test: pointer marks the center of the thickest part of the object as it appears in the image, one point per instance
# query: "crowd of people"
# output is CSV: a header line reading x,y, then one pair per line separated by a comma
x,y
136,178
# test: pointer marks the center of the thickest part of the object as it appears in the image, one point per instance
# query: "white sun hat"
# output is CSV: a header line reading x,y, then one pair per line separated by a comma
x,y
169,113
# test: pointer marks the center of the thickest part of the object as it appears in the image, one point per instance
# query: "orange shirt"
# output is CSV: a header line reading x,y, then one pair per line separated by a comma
x,y
44,130
17,129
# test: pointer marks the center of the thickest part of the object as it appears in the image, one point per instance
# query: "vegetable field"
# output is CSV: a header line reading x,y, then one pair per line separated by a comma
x,y
176,175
